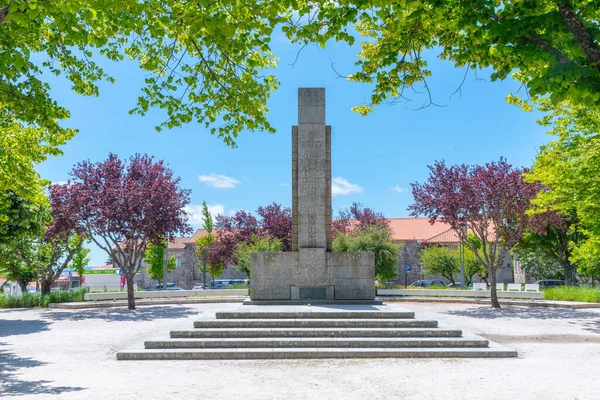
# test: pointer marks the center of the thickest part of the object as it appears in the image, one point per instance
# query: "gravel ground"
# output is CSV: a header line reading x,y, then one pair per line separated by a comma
x,y
60,354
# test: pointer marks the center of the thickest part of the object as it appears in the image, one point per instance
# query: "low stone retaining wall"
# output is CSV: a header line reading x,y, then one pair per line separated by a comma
x,y
458,293
166,294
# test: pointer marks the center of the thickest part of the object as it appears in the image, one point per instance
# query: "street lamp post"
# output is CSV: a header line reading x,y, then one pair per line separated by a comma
x,y
462,256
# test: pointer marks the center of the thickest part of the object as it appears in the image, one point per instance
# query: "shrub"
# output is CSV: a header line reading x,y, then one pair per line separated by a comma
x,y
573,293
238,286
256,244
375,240
31,300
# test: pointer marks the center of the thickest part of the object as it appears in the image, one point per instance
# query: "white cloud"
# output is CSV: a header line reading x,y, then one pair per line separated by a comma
x,y
218,181
194,212
341,187
400,189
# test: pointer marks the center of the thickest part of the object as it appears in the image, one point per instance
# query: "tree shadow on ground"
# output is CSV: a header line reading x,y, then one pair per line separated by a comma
x,y
587,320
122,314
10,327
12,385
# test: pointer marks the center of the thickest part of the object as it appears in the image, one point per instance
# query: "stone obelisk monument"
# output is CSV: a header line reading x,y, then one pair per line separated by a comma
x,y
311,271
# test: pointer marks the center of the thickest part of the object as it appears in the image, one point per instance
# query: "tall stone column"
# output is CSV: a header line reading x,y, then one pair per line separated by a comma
x,y
313,171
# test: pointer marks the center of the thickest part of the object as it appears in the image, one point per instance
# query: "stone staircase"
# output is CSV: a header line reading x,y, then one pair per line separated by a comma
x,y
283,332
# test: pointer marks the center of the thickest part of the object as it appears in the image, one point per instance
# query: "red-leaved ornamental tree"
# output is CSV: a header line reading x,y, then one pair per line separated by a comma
x,y
490,201
274,220
357,218
122,206
229,232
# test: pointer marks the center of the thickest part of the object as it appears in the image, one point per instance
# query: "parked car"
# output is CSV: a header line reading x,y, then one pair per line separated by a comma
x,y
170,286
550,283
199,286
428,283
454,285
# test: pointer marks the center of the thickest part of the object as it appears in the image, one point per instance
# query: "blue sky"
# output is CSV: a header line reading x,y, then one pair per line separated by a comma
x,y
374,158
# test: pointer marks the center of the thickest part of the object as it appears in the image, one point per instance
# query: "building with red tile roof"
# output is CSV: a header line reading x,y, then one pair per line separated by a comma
x,y
178,243
199,233
421,230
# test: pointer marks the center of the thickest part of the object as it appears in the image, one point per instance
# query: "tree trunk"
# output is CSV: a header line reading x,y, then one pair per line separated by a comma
x,y
569,270
23,286
451,279
130,293
45,287
493,292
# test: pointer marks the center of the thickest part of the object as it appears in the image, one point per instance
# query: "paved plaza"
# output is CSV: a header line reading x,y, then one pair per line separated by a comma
x,y
63,354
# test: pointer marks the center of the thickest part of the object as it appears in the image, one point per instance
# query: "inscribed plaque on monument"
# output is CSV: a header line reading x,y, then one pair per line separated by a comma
x,y
313,293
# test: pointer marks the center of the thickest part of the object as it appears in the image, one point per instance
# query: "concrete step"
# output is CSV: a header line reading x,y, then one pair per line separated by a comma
x,y
314,332
318,313
248,343
315,323
494,351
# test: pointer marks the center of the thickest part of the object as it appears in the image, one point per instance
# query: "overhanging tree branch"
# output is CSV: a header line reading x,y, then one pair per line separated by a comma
x,y
533,39
580,32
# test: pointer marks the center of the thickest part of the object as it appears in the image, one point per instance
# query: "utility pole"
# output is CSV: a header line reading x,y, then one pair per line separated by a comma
x,y
462,256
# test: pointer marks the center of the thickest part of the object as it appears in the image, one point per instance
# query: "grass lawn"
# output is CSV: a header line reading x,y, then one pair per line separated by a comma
x,y
573,293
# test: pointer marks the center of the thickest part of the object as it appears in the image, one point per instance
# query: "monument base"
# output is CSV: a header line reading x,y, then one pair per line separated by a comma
x,y
310,275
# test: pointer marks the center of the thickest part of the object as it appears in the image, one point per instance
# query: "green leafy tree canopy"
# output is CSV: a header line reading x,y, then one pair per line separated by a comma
x,y
375,240
257,244
439,260
445,261
155,258
550,46
204,244
568,167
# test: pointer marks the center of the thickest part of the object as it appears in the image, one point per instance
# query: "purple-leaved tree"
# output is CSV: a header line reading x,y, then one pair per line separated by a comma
x,y
274,220
356,218
488,201
122,206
